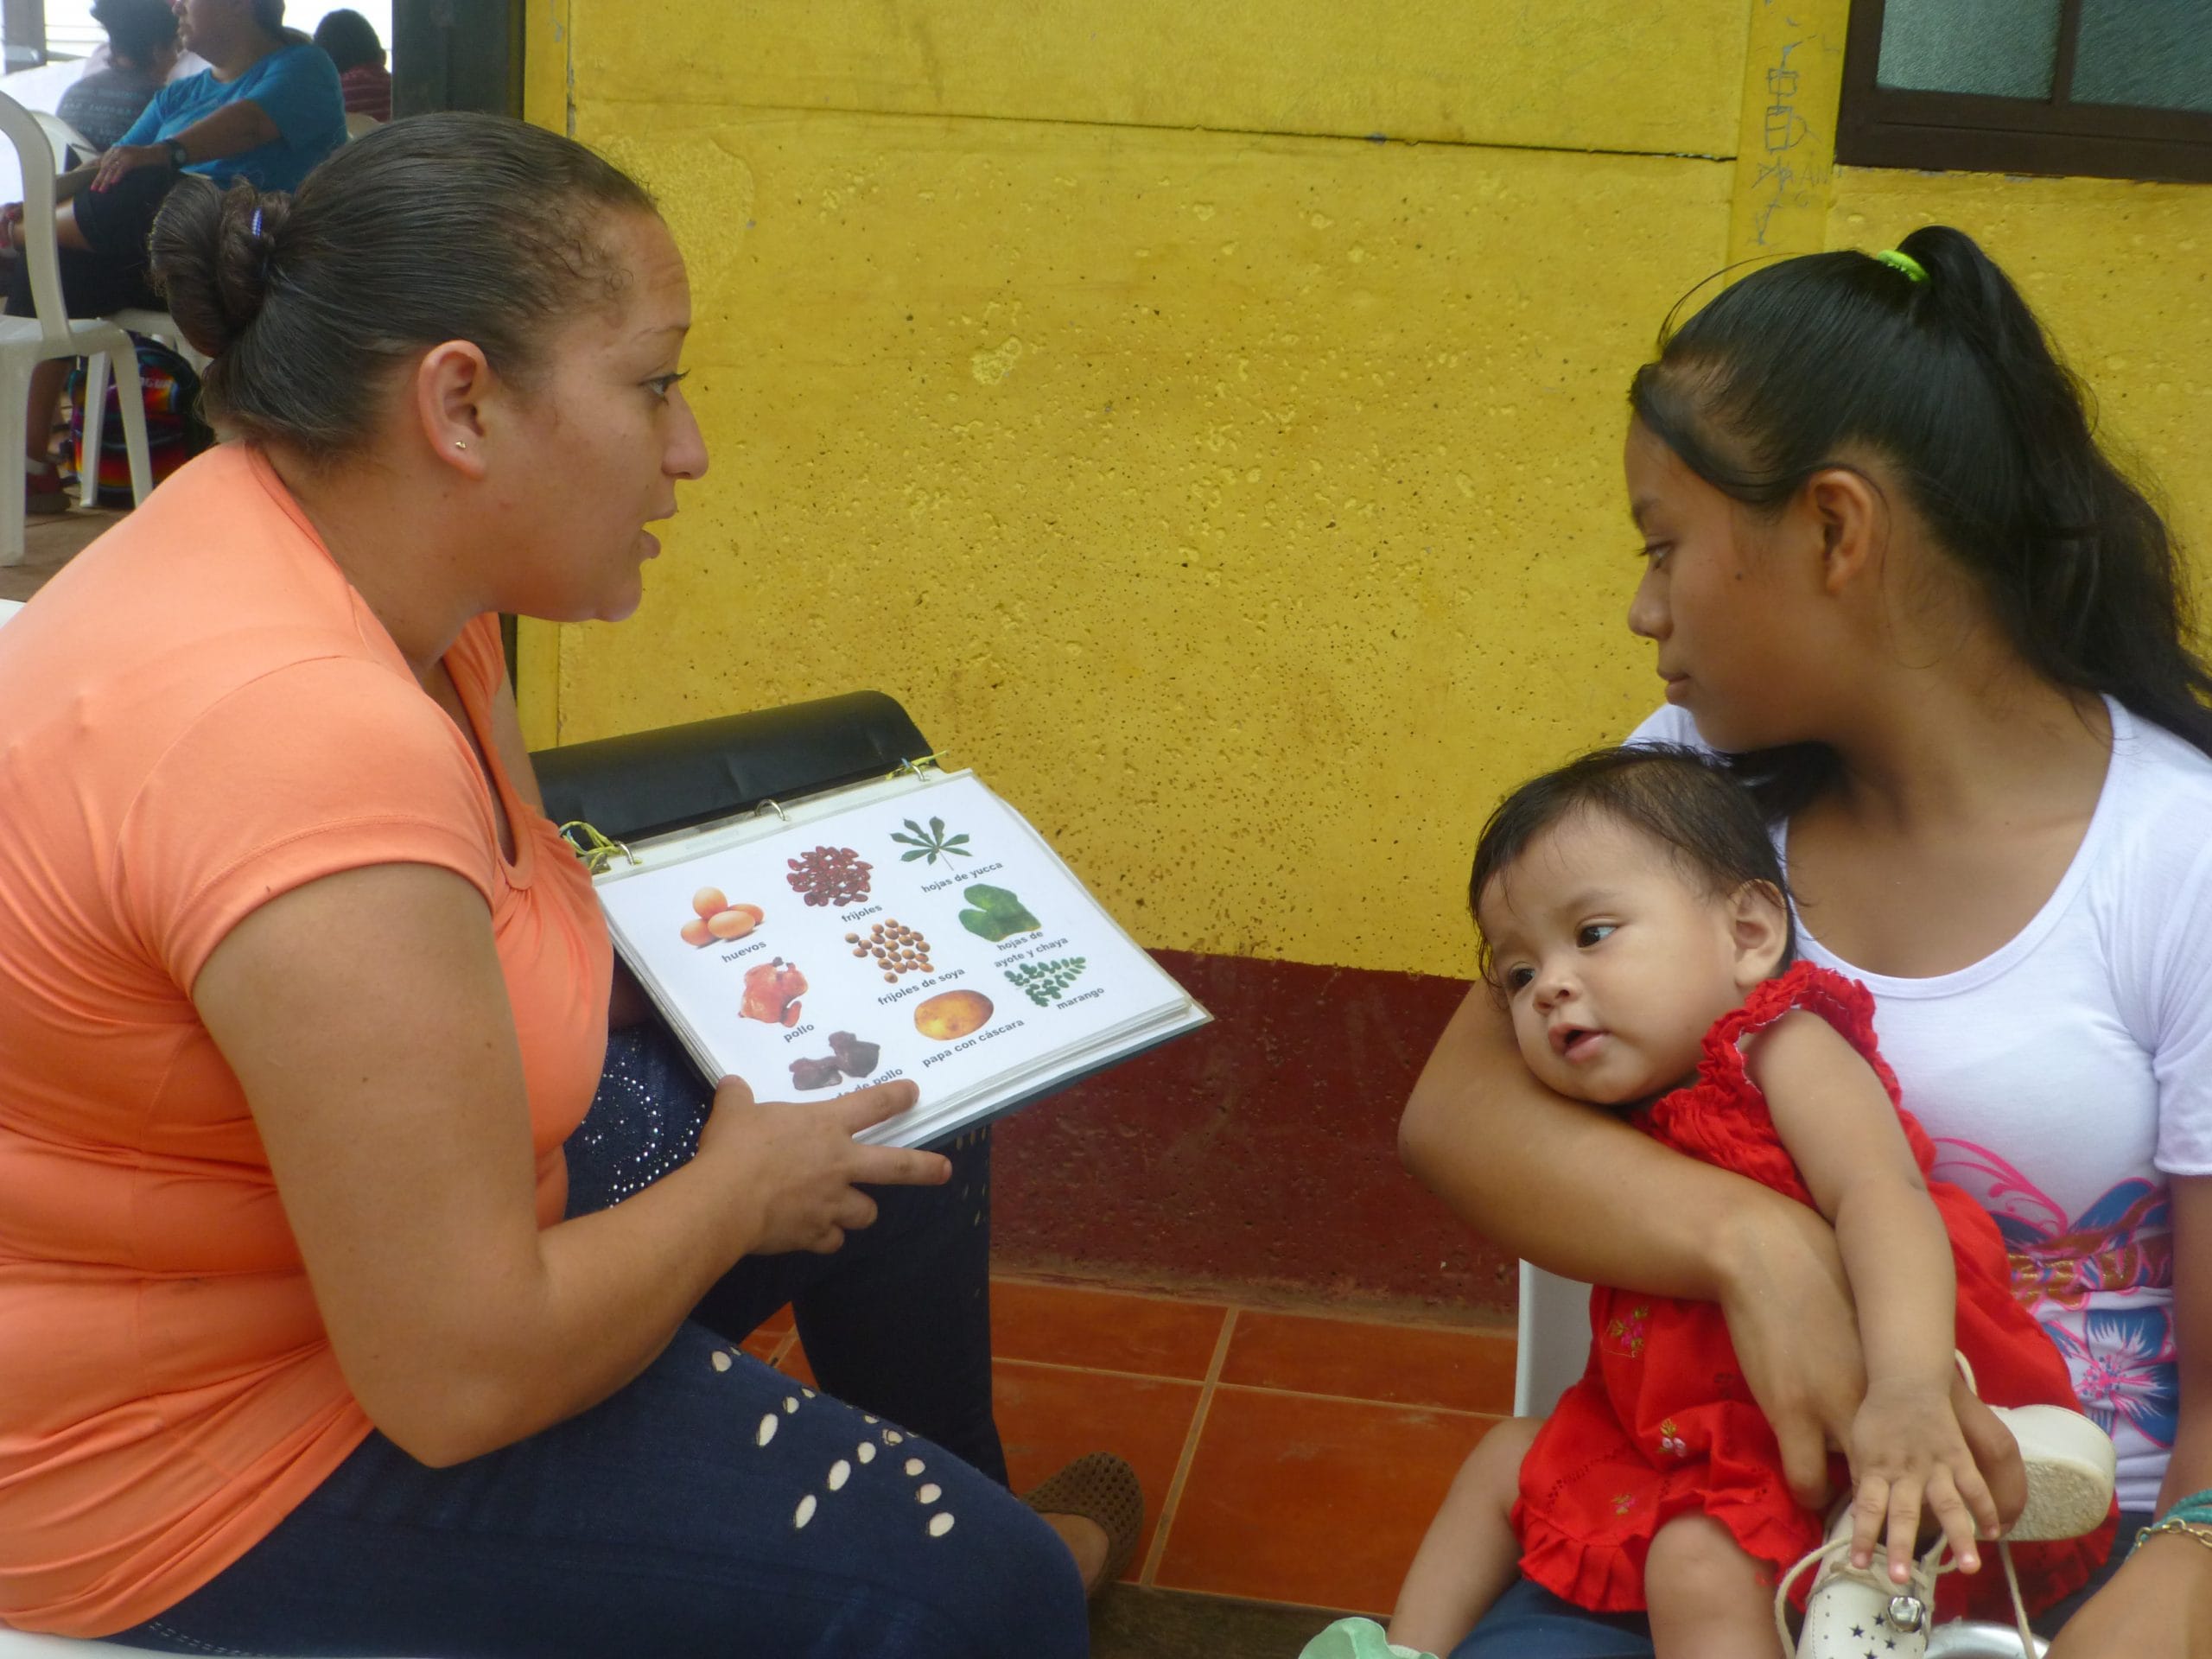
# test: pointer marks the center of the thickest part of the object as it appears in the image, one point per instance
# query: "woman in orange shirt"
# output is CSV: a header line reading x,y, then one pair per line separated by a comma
x,y
297,1350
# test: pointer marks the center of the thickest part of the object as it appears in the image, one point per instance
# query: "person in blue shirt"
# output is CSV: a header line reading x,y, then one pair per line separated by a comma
x,y
266,112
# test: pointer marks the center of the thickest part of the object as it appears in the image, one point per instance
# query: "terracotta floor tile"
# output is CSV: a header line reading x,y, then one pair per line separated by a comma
x,y
764,1344
1410,1365
792,1362
1322,1502
1067,1324
1049,1417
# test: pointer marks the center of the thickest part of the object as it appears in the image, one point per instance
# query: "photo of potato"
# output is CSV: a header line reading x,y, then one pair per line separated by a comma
x,y
952,1013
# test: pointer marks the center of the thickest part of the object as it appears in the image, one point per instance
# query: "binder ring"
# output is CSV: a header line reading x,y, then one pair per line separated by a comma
x,y
597,851
905,768
771,806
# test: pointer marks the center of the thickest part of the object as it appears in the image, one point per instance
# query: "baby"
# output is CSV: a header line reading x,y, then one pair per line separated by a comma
x,y
1635,924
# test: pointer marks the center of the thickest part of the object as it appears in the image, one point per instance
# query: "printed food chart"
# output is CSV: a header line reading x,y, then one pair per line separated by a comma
x,y
926,932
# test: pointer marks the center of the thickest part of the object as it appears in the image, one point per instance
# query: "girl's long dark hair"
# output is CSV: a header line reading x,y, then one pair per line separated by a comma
x,y
1952,382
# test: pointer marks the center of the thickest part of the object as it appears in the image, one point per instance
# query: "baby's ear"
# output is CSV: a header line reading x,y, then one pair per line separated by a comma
x,y
1759,924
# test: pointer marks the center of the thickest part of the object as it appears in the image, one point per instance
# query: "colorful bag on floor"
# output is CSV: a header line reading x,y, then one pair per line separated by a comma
x,y
175,432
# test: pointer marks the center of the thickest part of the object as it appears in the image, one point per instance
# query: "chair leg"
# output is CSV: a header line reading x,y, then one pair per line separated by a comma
x,y
14,394
132,394
91,430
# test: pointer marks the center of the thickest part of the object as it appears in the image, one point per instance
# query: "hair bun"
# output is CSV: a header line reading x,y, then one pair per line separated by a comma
x,y
211,252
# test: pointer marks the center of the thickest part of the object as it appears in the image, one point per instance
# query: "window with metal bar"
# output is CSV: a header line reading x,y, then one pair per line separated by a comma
x,y
2108,88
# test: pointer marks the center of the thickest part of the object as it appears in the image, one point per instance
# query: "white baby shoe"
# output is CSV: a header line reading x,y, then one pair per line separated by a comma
x,y
1855,1611
1859,1613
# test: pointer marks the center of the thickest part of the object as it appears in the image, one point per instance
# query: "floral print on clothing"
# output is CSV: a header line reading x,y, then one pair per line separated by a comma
x,y
2125,1368
2101,1283
1671,1441
1627,1334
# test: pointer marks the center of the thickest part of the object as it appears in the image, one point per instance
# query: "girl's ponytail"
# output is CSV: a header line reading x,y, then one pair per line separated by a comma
x,y
2081,570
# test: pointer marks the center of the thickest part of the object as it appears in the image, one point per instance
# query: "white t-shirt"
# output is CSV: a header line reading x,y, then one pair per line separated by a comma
x,y
2064,1077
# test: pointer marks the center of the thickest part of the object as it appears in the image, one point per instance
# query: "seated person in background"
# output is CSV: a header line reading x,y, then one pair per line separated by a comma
x,y
350,41
266,112
141,53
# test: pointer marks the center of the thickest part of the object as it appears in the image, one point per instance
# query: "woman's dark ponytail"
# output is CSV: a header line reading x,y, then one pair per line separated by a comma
x,y
1949,376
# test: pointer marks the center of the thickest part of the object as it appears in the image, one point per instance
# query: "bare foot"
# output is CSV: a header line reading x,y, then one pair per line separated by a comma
x,y
1087,1541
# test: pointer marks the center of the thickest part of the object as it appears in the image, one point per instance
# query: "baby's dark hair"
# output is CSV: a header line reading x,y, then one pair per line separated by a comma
x,y
1686,800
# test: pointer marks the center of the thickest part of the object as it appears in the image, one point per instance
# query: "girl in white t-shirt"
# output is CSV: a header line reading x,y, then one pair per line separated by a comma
x,y
1892,576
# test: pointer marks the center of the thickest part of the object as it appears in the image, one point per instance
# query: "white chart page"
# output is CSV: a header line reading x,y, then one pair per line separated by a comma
x,y
932,928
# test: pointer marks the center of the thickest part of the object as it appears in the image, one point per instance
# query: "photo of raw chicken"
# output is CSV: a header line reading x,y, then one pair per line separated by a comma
x,y
771,993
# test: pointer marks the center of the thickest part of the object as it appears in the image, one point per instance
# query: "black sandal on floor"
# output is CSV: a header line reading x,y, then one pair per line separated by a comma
x,y
1103,1489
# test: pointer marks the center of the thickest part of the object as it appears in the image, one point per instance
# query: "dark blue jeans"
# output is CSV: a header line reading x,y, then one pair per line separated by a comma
x,y
713,1506
1529,1622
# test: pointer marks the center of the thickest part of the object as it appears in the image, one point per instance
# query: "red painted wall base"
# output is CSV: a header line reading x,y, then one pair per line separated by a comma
x,y
1260,1153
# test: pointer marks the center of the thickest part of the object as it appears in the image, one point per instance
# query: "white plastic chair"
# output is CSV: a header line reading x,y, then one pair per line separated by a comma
x,y
160,325
68,144
26,1644
359,126
1552,1349
23,1644
26,342
71,148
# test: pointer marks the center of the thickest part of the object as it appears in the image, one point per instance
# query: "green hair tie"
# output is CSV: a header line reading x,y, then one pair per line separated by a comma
x,y
1903,262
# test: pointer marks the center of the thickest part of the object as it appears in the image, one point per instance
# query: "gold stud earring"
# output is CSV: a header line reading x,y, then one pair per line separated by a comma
x,y
461,443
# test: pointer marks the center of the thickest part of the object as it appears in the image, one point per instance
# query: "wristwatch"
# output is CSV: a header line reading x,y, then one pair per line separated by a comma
x,y
178,154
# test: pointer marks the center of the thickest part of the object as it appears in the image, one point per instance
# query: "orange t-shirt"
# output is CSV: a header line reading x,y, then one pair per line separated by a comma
x,y
197,714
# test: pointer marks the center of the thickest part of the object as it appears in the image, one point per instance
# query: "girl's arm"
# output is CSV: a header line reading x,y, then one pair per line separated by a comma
x,y
1553,1180
2159,1604
1906,1445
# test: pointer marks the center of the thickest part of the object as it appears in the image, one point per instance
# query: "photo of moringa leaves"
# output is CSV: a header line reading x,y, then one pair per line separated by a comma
x,y
932,843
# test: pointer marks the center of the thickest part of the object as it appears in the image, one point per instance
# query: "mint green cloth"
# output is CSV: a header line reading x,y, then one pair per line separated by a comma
x,y
1357,1638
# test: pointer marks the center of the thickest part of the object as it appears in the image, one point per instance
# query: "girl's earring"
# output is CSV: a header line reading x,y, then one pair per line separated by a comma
x,y
461,443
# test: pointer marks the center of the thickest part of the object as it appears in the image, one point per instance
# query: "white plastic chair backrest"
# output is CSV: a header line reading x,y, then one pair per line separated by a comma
x,y
35,155
62,138
359,126
1552,1343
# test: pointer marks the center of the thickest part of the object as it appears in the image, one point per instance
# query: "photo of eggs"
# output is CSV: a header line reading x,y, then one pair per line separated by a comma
x,y
719,919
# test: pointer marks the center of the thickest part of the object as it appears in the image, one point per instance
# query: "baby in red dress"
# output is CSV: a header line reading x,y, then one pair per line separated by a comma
x,y
1636,924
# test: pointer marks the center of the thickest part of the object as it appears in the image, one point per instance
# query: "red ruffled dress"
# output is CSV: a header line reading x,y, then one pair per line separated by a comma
x,y
1661,1423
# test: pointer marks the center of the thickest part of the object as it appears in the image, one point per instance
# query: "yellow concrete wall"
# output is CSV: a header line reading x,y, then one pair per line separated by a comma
x,y
1236,489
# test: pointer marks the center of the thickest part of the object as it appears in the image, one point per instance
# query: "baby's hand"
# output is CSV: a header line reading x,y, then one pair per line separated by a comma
x,y
1908,1454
